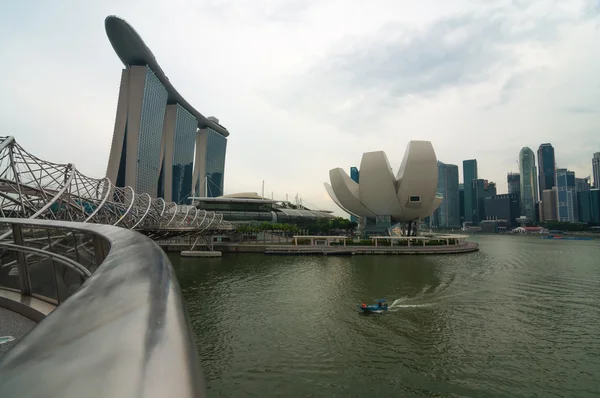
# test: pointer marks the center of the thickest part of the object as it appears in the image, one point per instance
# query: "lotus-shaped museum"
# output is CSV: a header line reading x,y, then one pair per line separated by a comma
x,y
378,195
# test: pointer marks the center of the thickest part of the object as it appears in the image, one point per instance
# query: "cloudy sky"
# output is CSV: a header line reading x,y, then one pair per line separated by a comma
x,y
305,85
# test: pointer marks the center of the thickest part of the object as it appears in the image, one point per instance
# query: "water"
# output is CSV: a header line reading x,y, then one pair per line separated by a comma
x,y
518,318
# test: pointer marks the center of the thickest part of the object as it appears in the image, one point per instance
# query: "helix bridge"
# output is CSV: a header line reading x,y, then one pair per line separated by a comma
x,y
33,188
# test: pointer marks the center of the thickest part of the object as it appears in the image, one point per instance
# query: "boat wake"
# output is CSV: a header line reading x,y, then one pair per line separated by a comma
x,y
402,303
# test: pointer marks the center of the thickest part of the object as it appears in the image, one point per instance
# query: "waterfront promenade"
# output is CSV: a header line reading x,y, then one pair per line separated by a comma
x,y
366,250
329,250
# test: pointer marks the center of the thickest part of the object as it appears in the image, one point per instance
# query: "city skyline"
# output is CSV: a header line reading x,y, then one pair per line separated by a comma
x,y
486,102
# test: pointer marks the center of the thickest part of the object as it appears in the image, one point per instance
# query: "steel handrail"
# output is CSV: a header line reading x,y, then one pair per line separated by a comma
x,y
59,258
124,333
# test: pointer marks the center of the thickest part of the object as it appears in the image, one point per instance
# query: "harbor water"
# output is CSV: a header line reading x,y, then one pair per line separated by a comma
x,y
518,318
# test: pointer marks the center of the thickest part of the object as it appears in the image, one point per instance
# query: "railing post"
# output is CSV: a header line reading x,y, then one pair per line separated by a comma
x,y
21,261
98,250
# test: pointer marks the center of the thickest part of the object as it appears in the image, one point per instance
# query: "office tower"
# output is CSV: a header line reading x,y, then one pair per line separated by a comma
x,y
514,184
549,206
503,207
582,184
546,166
209,166
596,169
461,201
469,174
449,210
588,205
482,189
155,128
529,191
354,175
566,196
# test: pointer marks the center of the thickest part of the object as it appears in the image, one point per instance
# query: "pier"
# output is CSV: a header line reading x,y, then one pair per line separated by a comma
x,y
466,247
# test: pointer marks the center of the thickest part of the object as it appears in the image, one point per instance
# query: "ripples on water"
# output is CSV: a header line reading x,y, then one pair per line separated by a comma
x,y
518,318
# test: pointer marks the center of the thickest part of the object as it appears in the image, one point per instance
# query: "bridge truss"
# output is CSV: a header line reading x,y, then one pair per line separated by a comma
x,y
37,189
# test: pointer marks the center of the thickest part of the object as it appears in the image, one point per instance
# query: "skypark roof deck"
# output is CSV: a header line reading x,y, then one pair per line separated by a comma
x,y
132,50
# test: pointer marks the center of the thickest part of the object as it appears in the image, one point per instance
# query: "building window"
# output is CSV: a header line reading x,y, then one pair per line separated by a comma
x,y
414,198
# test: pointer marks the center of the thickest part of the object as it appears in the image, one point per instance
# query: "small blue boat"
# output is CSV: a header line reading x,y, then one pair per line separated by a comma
x,y
380,306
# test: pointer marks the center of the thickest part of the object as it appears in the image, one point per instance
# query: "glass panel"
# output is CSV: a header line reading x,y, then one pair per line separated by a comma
x,y
86,254
9,275
68,280
41,276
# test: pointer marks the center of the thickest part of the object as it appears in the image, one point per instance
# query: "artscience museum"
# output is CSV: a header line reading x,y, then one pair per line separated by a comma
x,y
380,199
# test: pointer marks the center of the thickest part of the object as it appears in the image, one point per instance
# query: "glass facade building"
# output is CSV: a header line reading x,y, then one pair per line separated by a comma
x,y
155,129
596,169
210,168
216,147
502,208
514,183
529,191
354,175
482,189
546,166
183,155
582,184
136,147
152,118
566,193
461,201
588,204
448,214
469,174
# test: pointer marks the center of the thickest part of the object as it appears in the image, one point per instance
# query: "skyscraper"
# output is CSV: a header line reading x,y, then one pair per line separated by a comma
x,y
155,128
502,208
469,174
549,210
596,169
461,201
529,191
546,166
209,165
582,184
449,210
514,183
482,189
588,205
354,175
136,146
177,155
566,196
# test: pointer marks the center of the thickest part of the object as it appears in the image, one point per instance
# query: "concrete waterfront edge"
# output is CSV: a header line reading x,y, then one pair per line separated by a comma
x,y
363,250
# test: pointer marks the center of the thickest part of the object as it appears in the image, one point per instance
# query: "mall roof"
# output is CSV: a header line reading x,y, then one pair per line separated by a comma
x,y
223,199
132,50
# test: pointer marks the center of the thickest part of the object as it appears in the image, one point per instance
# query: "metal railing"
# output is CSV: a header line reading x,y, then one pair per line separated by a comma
x,y
121,329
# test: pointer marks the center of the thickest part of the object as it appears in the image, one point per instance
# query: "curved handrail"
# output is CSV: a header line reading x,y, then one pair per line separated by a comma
x,y
57,257
124,333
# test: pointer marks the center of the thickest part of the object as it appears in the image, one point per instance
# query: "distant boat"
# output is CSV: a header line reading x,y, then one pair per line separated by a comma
x,y
380,306
560,237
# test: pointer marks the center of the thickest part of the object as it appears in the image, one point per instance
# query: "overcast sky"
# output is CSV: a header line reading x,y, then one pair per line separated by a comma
x,y
305,86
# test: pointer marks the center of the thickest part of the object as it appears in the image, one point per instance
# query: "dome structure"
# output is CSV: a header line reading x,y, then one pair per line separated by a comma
x,y
405,197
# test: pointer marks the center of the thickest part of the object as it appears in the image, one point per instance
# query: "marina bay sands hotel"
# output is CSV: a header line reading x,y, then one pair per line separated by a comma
x,y
157,131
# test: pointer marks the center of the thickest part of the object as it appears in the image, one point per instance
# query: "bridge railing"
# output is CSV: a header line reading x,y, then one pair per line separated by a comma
x,y
121,329
48,262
